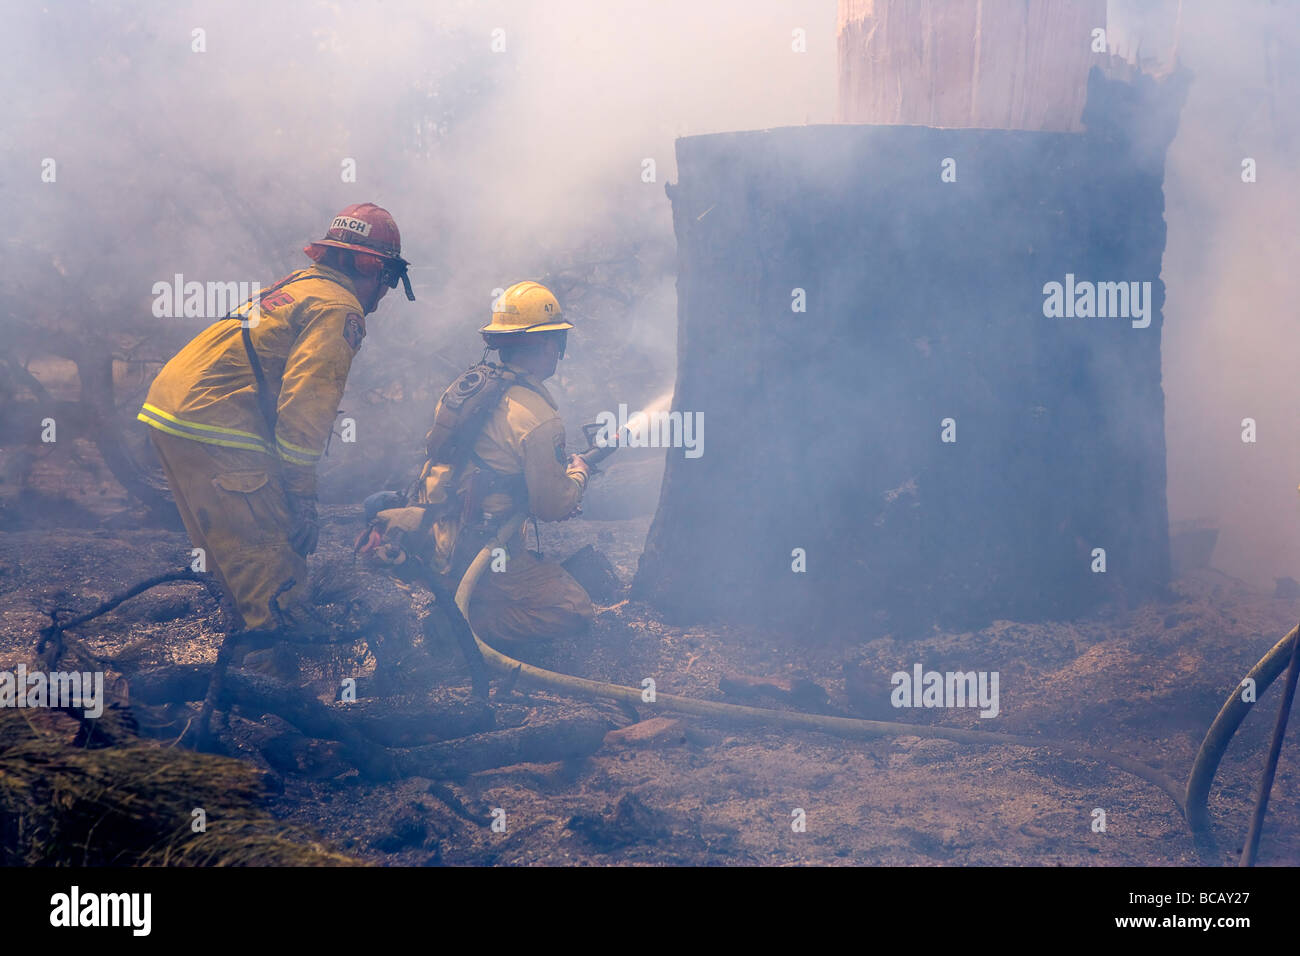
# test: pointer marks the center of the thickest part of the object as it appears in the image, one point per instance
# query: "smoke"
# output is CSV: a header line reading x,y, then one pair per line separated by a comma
x,y
1231,334
510,140
530,160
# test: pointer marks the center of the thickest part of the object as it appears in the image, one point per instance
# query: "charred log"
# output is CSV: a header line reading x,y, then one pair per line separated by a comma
x,y
392,722
567,738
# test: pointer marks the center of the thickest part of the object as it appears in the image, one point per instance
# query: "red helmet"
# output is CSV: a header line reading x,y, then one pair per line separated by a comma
x,y
367,228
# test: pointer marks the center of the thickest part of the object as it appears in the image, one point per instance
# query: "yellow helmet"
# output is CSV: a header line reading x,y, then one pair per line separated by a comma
x,y
526,307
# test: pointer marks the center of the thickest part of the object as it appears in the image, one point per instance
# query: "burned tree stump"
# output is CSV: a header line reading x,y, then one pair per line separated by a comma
x,y
844,308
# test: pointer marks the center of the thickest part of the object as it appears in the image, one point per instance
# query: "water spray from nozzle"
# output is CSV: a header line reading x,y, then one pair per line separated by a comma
x,y
600,447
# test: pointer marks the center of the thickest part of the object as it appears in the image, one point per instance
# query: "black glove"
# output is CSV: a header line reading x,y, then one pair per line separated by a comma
x,y
304,528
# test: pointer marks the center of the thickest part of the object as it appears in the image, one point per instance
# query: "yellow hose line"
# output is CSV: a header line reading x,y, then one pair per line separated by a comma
x,y
840,726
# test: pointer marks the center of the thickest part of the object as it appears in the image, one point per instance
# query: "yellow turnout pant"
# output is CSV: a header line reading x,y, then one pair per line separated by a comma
x,y
530,600
234,508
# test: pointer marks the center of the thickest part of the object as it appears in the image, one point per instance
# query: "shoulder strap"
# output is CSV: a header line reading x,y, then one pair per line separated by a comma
x,y
463,411
269,412
260,389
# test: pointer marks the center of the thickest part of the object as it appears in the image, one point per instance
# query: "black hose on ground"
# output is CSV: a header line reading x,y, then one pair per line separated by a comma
x,y
1270,765
480,680
1217,738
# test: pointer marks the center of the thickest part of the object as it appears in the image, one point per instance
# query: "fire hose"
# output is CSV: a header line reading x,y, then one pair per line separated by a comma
x,y
1189,798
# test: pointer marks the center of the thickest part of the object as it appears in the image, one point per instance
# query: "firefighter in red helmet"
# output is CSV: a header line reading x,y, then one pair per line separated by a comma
x,y
240,416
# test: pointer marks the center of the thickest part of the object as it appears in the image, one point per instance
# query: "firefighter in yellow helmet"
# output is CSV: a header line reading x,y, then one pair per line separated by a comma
x,y
241,415
496,448
524,436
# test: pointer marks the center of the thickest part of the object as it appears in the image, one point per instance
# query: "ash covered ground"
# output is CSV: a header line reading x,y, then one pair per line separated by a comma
x,y
1142,681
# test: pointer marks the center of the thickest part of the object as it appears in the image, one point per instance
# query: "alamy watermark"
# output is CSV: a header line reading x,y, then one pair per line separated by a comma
x,y
60,689
76,909
179,299
652,429
949,689
1101,300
